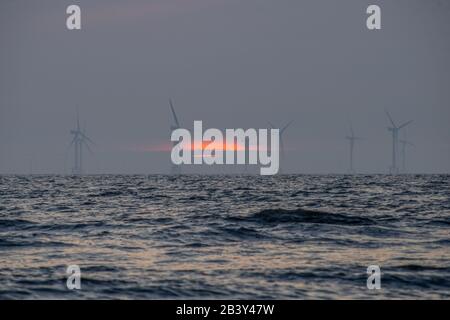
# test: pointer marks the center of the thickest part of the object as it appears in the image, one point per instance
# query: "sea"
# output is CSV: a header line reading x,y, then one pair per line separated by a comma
x,y
225,236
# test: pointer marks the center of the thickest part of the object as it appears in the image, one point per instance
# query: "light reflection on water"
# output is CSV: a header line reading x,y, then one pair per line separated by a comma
x,y
209,236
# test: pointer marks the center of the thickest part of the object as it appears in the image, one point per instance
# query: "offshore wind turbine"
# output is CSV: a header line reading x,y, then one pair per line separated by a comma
x,y
175,125
395,130
282,130
352,138
80,140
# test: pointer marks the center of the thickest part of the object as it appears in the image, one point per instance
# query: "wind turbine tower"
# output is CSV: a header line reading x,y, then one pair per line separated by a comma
x,y
352,138
283,154
395,130
80,140
175,169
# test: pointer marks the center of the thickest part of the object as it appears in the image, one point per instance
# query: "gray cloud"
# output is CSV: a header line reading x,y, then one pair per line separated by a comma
x,y
231,64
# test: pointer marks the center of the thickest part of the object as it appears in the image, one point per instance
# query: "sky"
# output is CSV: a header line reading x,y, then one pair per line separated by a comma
x,y
231,64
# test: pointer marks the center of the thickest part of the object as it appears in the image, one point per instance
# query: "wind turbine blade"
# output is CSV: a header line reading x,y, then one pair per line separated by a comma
x,y
87,147
286,126
174,114
390,118
405,124
73,141
86,138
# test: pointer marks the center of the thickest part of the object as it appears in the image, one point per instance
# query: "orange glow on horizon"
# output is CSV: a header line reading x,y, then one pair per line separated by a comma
x,y
197,145
218,146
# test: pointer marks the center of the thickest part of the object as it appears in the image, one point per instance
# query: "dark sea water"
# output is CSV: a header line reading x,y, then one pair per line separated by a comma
x,y
294,237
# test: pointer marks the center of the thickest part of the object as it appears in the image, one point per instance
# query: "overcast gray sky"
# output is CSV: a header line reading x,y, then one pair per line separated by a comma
x,y
230,63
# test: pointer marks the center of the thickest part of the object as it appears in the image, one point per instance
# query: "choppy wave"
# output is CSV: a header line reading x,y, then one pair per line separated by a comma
x,y
224,236
308,216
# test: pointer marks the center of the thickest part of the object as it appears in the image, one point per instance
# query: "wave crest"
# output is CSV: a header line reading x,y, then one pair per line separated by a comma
x,y
308,216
